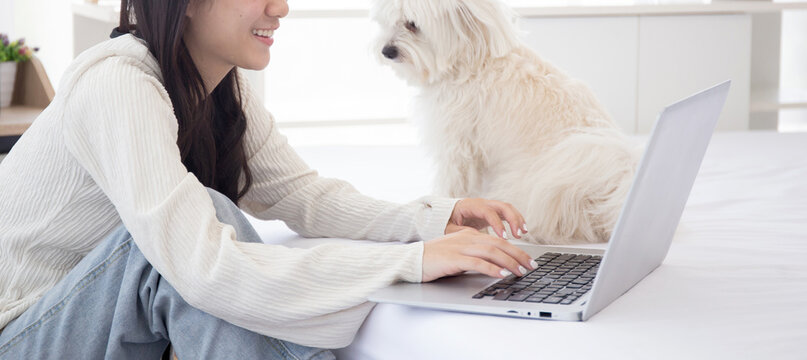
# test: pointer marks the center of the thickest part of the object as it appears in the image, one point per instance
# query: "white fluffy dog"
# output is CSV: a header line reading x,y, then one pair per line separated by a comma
x,y
502,123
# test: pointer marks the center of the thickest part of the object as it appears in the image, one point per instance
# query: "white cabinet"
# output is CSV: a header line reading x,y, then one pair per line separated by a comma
x,y
679,55
636,65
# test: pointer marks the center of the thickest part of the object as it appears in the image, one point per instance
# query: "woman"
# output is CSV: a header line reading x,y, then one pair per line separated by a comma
x,y
111,245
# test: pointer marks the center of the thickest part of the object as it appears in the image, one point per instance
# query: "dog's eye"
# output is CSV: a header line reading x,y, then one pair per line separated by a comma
x,y
410,25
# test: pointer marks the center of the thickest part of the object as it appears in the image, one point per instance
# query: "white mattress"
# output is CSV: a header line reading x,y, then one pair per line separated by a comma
x,y
733,286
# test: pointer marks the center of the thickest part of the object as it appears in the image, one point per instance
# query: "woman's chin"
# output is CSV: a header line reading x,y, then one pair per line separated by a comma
x,y
256,64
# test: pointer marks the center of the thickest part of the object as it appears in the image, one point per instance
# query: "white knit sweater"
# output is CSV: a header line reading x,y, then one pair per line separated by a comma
x,y
104,153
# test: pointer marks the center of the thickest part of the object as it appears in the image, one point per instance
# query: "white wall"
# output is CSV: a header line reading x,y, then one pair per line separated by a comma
x,y
7,17
325,69
47,24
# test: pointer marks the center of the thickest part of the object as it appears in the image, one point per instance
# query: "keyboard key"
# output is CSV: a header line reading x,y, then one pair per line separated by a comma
x,y
489,292
563,292
519,297
566,302
552,300
503,294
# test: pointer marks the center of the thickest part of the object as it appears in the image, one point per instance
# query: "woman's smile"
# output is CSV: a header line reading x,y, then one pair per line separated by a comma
x,y
264,35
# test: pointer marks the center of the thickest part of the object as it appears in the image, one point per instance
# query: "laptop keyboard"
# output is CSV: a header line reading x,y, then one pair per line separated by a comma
x,y
558,279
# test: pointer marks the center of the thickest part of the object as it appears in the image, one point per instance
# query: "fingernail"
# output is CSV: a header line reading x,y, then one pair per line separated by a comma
x,y
533,264
520,233
524,226
504,234
505,273
523,270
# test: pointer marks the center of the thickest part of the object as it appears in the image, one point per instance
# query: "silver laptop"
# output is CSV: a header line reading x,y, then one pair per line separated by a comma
x,y
572,283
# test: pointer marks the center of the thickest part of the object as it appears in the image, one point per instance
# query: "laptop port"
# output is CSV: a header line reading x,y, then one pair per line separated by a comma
x,y
545,314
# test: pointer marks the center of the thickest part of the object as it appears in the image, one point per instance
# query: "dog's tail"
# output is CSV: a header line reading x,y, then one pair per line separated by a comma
x,y
580,186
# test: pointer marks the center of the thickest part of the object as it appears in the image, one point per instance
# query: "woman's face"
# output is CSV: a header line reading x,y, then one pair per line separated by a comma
x,y
221,34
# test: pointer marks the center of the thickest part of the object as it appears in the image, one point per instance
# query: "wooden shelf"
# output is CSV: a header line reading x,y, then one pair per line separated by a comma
x,y
15,120
32,93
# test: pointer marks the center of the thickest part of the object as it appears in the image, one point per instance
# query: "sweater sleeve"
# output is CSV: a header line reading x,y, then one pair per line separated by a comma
x,y
119,125
285,188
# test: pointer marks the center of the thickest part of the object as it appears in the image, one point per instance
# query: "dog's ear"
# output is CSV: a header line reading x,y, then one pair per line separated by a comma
x,y
494,21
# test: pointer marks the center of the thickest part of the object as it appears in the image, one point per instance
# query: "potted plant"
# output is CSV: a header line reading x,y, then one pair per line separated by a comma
x,y
11,53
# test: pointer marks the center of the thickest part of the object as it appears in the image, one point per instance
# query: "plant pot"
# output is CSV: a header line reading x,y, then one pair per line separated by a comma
x,y
8,72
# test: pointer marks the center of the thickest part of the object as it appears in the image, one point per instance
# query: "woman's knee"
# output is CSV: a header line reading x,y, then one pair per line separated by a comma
x,y
219,198
228,212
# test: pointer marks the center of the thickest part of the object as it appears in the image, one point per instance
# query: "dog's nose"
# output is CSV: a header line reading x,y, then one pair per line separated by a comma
x,y
390,52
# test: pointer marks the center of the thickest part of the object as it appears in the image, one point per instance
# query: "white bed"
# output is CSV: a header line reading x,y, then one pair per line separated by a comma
x,y
733,286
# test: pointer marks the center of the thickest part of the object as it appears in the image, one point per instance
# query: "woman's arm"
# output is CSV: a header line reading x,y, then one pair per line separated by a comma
x,y
285,188
120,127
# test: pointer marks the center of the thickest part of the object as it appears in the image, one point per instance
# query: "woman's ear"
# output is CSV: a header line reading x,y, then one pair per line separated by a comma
x,y
190,10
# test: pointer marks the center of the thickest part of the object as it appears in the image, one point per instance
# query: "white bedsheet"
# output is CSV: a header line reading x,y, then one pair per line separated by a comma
x,y
733,286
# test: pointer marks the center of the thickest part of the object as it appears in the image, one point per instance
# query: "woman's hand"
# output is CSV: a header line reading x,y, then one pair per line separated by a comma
x,y
468,250
480,213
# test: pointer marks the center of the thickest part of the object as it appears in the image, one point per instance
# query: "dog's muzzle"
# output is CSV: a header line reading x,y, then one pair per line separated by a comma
x,y
390,52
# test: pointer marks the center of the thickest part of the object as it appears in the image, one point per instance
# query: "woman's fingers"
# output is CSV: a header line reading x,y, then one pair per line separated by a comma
x,y
508,212
481,213
470,263
470,250
493,219
511,250
496,256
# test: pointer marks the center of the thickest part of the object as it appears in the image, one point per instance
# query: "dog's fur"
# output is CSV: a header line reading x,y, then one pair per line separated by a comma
x,y
502,123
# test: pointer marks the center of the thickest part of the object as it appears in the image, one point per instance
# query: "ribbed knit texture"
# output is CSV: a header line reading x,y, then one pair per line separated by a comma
x,y
104,153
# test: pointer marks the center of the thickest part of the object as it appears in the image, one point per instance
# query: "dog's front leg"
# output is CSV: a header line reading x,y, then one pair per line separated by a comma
x,y
458,177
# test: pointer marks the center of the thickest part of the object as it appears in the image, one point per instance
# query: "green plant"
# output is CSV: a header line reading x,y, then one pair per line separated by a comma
x,y
15,50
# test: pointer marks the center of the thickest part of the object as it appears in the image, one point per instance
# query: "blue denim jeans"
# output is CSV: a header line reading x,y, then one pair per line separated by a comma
x,y
114,305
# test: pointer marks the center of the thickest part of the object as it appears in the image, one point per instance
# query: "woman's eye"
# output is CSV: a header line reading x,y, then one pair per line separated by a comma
x,y
411,26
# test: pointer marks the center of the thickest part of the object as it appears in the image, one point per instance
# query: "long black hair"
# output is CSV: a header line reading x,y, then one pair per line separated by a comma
x,y
211,128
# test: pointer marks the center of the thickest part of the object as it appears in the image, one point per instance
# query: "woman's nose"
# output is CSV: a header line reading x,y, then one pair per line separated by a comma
x,y
277,8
